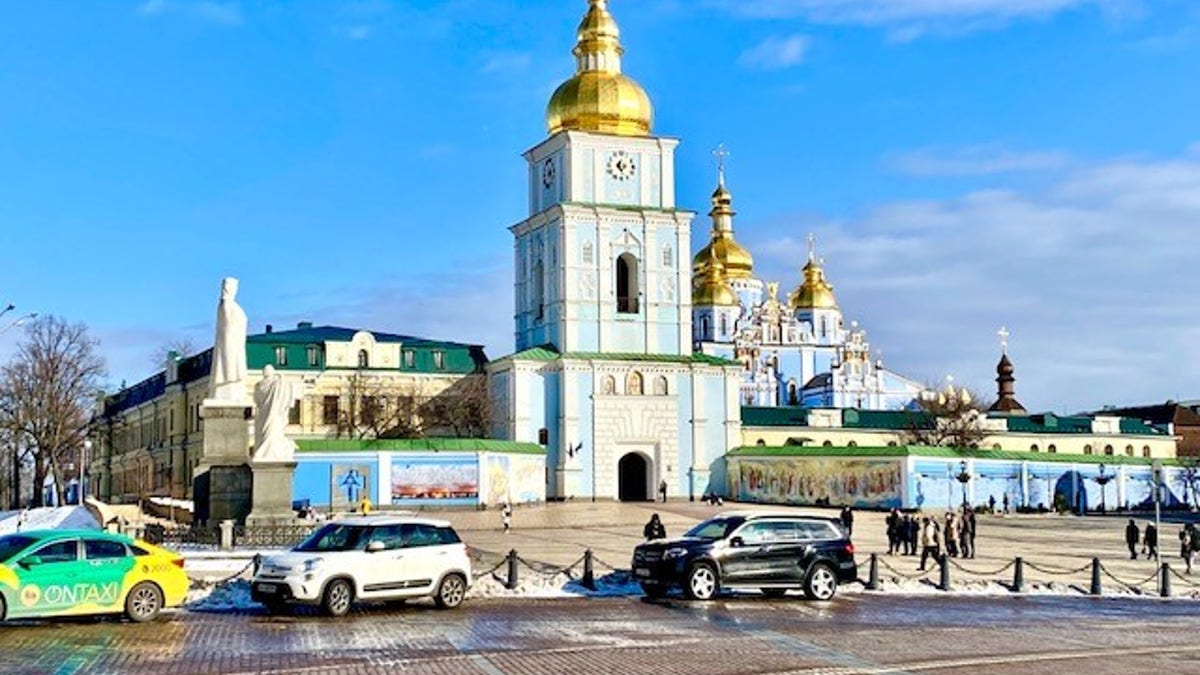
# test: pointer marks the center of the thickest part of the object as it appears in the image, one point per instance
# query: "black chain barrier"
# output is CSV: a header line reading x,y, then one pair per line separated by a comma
x,y
205,582
919,575
1135,586
1057,572
1002,570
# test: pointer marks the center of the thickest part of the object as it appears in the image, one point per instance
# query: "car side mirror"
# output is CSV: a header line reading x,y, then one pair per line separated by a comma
x,y
375,547
31,561
737,542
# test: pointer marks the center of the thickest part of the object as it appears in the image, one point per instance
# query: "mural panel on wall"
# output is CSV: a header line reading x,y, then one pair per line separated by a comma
x,y
450,480
866,483
517,479
348,484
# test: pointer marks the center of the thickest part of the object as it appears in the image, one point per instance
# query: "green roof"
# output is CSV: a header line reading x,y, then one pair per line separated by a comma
x,y
418,445
774,417
309,334
899,420
939,453
549,353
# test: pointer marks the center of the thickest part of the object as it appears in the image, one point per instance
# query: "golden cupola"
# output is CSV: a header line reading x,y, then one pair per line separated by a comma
x,y
711,287
735,260
599,97
814,292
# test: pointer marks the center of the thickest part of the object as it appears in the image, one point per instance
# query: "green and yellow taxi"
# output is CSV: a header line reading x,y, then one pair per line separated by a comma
x,y
78,572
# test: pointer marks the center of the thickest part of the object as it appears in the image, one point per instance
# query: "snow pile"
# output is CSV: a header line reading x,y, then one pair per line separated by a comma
x,y
231,596
48,518
185,504
532,584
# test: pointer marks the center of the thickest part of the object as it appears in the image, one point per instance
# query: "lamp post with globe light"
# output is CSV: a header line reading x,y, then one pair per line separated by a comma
x,y
1102,480
963,477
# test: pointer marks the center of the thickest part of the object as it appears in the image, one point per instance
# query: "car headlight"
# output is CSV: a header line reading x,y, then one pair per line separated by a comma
x,y
311,564
673,553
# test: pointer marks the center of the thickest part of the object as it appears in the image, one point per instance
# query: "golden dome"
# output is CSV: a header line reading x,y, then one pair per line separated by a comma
x,y
735,259
815,292
599,97
710,286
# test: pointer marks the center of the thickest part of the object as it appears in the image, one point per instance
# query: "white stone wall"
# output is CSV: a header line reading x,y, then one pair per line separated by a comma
x,y
646,424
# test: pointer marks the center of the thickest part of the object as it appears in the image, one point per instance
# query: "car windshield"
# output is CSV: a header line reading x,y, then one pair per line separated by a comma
x,y
713,529
13,544
334,537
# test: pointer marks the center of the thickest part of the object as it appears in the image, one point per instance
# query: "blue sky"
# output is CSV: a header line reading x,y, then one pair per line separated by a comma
x,y
965,164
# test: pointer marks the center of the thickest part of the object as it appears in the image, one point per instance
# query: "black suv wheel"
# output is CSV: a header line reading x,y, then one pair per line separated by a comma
x,y
821,582
701,582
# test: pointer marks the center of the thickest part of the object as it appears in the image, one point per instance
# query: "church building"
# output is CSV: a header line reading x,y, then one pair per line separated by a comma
x,y
604,374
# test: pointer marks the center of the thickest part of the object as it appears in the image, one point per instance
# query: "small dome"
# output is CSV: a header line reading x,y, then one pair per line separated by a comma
x,y
814,292
711,287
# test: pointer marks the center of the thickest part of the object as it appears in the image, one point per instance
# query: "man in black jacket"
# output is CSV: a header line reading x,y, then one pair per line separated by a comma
x,y
1131,538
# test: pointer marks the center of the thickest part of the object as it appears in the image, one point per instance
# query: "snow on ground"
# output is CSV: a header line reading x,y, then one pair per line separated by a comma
x,y
48,518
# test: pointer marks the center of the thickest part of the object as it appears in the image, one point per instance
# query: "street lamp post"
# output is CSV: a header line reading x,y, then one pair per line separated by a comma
x,y
83,455
963,477
17,322
1102,480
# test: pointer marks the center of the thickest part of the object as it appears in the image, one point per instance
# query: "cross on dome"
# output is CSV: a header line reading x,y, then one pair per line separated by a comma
x,y
1003,333
721,154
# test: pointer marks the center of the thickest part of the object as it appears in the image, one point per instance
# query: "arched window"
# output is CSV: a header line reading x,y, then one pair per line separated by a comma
x,y
891,444
852,444
633,385
1129,450
364,359
827,444
1033,448
761,443
627,284
724,325
539,289
1051,448
704,326
608,385
793,397
995,446
1108,450
660,385
823,329
1145,451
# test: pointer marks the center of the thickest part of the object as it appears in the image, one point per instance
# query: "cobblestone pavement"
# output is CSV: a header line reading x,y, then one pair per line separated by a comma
x,y
852,635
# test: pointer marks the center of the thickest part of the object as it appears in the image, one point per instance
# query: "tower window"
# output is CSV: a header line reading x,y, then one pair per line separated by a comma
x,y
627,284
724,324
539,290
364,359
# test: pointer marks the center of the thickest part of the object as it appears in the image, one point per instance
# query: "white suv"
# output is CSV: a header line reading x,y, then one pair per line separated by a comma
x,y
368,558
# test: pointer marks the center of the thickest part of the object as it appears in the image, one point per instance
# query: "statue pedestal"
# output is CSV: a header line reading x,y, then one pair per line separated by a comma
x,y
221,484
271,503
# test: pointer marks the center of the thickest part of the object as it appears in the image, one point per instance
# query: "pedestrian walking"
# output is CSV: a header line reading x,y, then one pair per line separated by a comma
x,y
951,535
662,490
893,531
1187,537
991,503
905,540
1150,542
969,532
914,534
848,521
654,529
1132,534
929,541
506,516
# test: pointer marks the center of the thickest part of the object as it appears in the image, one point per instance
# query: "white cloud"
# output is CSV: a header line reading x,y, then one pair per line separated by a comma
x,y
908,19
1093,275
225,13
775,53
976,160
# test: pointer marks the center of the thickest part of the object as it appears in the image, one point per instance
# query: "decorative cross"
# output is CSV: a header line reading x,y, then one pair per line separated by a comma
x,y
1003,333
721,154
812,246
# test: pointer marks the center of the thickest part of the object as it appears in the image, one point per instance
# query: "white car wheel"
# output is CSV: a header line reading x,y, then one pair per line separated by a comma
x,y
701,582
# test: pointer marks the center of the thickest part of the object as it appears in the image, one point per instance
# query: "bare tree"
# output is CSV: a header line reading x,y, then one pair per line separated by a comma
x,y
181,347
951,418
382,407
47,392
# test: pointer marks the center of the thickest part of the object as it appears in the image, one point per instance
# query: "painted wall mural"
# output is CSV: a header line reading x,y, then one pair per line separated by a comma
x,y
449,480
862,483
517,479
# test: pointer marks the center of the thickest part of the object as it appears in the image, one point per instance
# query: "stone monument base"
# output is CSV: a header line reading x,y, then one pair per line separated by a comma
x,y
271,500
222,493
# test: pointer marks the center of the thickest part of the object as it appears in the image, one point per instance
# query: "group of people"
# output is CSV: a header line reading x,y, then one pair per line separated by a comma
x,y
953,535
1189,542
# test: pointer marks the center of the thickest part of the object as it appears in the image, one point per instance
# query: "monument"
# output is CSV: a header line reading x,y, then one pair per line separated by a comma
x,y
273,462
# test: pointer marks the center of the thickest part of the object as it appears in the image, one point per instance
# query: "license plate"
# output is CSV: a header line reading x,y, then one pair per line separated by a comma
x,y
266,588
642,572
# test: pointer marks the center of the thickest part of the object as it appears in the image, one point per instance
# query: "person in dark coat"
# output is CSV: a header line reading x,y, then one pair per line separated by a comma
x,y
848,521
914,534
1151,541
902,534
969,533
893,531
654,529
1132,534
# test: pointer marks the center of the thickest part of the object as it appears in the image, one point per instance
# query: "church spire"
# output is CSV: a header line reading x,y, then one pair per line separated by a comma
x,y
1006,397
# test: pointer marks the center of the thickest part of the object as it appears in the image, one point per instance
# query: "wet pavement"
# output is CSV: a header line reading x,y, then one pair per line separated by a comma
x,y
856,633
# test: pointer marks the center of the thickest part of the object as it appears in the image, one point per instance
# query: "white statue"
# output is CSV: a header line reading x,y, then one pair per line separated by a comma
x,y
273,397
228,379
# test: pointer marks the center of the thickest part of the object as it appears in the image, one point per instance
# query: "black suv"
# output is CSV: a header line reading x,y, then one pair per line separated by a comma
x,y
772,553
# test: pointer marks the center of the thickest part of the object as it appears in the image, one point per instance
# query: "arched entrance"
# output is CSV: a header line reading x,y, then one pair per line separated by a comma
x,y
633,478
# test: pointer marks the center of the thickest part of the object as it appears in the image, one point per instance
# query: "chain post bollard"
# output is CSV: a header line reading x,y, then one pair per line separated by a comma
x,y
1018,575
944,578
1165,584
511,583
873,574
589,572
1096,588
